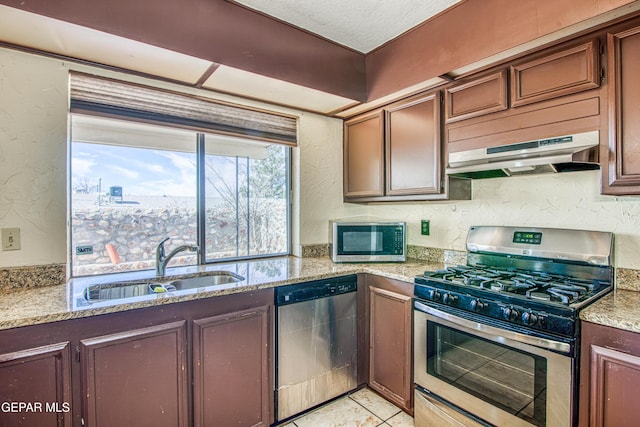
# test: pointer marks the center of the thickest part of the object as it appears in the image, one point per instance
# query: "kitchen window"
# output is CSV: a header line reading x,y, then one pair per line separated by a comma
x,y
135,180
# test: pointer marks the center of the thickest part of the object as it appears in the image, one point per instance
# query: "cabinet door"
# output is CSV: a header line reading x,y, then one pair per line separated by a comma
x,y
413,141
477,97
364,156
568,71
390,345
615,387
39,377
136,378
232,380
621,162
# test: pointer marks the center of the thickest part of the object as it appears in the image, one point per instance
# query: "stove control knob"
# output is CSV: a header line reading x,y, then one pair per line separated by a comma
x,y
529,318
449,299
434,295
510,314
477,305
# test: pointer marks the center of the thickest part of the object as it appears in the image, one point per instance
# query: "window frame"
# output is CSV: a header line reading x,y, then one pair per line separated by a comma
x,y
201,207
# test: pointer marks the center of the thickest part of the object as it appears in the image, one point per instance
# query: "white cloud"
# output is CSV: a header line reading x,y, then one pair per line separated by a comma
x,y
82,167
127,173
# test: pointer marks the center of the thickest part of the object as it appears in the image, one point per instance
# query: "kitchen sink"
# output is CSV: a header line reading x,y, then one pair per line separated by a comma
x,y
116,291
220,278
111,291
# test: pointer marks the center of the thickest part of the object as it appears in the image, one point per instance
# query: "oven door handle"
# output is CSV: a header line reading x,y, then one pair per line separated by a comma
x,y
492,333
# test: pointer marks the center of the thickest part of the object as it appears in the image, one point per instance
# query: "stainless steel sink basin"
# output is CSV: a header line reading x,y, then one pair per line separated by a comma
x,y
111,291
116,291
219,278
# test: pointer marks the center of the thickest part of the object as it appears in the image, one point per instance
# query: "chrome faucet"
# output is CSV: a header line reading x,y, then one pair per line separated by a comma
x,y
162,260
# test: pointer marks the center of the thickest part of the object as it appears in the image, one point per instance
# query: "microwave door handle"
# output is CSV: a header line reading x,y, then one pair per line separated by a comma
x,y
492,333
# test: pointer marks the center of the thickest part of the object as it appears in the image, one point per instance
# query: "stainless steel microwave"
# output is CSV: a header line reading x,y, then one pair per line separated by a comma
x,y
368,241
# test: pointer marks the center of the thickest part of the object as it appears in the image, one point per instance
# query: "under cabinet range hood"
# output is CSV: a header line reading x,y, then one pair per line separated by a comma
x,y
566,153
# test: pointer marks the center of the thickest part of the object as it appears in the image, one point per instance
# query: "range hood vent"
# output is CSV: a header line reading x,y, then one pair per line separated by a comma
x,y
566,153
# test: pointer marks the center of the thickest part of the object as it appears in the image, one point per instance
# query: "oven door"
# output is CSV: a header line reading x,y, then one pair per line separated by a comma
x,y
500,376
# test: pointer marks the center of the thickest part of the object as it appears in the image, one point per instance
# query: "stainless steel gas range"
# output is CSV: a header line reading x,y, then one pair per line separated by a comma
x,y
496,340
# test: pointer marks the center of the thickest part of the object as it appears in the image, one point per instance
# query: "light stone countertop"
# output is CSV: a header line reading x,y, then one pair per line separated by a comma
x,y
618,309
35,305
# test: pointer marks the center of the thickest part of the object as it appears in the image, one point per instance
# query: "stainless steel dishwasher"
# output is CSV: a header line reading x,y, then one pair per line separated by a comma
x,y
316,343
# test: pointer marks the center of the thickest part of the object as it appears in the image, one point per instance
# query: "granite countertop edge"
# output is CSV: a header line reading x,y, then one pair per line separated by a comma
x,y
618,309
46,304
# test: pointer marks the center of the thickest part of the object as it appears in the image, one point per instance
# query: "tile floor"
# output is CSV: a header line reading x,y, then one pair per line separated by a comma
x,y
362,408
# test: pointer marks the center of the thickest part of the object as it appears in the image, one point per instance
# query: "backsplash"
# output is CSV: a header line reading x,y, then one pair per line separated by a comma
x,y
628,279
32,276
414,252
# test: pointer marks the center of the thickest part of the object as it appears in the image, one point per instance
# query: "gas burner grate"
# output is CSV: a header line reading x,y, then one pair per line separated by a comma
x,y
541,286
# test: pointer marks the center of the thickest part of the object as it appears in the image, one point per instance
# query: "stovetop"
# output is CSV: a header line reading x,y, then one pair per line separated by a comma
x,y
526,284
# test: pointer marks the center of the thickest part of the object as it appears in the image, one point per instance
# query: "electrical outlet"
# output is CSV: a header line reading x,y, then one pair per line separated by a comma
x,y
424,228
10,239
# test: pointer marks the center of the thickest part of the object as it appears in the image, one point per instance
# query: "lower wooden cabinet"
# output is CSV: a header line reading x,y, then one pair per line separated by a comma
x,y
197,363
231,369
137,377
39,377
610,377
390,340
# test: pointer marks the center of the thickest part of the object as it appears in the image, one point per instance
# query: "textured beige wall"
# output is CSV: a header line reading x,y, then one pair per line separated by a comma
x,y
568,200
33,141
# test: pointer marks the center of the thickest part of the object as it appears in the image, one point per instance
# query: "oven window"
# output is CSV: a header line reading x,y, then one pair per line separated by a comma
x,y
507,378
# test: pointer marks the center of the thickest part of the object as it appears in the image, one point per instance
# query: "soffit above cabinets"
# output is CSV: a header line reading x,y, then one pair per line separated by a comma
x,y
250,85
362,25
62,38
86,44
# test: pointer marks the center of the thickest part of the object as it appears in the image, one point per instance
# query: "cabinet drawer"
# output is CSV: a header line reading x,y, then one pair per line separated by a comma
x,y
565,72
480,96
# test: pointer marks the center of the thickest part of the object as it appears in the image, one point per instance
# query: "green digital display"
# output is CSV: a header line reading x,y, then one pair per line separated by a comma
x,y
527,237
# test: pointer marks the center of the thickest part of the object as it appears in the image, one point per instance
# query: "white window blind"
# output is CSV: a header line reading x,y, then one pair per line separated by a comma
x,y
117,99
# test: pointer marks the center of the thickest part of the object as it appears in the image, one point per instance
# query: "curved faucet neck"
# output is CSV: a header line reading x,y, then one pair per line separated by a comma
x,y
162,260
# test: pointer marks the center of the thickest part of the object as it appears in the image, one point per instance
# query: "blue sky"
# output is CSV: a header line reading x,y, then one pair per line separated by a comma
x,y
138,171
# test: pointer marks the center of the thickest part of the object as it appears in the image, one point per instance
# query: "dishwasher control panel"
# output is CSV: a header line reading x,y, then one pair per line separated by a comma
x,y
308,291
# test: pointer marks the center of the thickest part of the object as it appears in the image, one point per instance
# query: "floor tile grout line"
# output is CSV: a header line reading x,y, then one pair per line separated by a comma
x,y
374,414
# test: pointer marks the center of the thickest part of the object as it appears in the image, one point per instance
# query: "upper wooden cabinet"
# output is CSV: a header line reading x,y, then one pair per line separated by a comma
x,y
620,159
413,141
395,154
479,96
562,73
364,156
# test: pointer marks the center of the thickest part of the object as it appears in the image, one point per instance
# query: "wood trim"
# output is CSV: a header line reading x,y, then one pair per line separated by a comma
x,y
591,57
575,113
500,102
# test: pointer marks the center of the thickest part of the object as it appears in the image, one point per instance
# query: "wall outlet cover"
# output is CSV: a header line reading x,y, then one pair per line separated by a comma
x,y
10,239
424,227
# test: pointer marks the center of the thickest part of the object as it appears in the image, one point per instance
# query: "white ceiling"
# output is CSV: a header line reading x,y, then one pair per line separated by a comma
x,y
362,25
